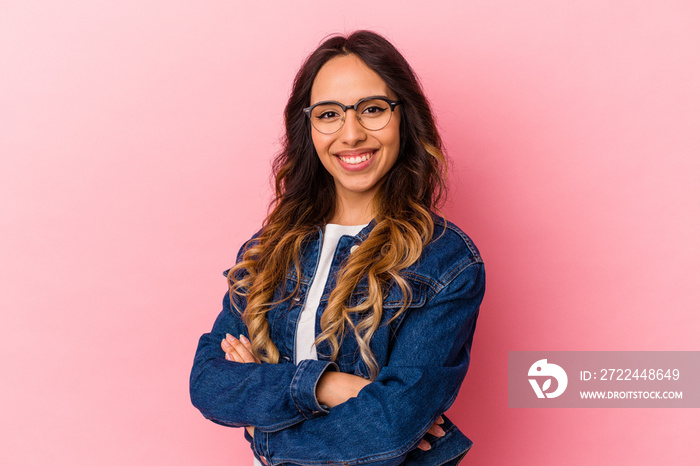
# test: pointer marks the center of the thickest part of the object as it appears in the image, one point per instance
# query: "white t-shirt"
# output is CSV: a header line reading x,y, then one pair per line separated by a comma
x,y
306,328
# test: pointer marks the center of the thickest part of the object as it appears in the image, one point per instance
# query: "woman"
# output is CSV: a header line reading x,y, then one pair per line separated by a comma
x,y
348,324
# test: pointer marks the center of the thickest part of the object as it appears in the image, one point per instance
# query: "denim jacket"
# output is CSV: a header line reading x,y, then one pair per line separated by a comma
x,y
423,357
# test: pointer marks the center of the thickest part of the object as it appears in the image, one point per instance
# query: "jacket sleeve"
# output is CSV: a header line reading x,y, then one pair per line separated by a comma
x,y
390,416
266,396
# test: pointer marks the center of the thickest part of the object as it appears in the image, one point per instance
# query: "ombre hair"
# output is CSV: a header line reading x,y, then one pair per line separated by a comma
x,y
305,200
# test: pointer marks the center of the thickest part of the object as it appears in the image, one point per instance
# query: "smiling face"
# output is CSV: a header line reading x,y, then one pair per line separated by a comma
x,y
358,159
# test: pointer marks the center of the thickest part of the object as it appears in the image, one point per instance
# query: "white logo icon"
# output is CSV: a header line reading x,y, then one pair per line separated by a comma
x,y
542,369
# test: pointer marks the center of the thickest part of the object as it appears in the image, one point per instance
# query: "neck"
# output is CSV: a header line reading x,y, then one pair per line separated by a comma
x,y
353,211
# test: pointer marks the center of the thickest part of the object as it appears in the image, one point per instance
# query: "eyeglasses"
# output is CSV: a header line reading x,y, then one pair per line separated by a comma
x,y
373,113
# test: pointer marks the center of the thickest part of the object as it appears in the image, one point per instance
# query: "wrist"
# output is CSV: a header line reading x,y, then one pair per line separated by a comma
x,y
334,388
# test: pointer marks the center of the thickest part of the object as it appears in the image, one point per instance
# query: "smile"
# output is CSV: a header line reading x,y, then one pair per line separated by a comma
x,y
356,159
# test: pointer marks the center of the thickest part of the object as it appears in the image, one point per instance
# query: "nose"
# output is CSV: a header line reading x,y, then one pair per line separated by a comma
x,y
352,131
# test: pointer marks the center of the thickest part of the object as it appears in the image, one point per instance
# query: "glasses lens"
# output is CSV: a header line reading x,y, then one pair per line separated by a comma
x,y
327,118
374,114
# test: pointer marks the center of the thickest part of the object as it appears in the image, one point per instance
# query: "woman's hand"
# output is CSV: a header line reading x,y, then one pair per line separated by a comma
x,y
238,349
435,430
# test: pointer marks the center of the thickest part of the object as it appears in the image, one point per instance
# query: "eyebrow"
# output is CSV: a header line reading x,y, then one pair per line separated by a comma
x,y
361,98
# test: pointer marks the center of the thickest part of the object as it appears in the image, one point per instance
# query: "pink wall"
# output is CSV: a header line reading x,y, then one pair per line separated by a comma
x,y
135,142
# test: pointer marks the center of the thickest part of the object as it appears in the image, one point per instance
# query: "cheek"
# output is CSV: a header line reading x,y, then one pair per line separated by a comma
x,y
393,141
321,143
395,149
314,140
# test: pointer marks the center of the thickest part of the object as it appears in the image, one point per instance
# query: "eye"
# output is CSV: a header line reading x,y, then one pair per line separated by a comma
x,y
327,112
373,108
328,115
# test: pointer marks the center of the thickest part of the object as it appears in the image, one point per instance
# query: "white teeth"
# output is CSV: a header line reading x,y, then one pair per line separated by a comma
x,y
356,160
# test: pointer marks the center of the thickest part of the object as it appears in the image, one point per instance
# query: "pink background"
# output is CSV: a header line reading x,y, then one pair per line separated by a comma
x,y
136,139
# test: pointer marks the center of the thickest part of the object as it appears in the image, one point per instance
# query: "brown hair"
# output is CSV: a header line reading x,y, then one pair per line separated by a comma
x,y
305,199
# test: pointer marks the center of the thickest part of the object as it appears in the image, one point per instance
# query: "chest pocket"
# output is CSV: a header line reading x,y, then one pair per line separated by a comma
x,y
385,336
394,297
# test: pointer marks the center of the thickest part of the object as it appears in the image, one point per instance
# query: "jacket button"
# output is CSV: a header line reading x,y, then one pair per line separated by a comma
x,y
352,249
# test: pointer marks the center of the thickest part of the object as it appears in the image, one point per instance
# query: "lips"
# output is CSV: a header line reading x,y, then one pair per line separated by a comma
x,y
356,158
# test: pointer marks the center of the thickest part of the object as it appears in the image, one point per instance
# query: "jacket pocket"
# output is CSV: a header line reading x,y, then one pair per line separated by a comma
x,y
385,335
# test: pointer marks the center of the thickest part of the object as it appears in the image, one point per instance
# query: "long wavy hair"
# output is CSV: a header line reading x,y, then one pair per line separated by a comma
x,y
305,200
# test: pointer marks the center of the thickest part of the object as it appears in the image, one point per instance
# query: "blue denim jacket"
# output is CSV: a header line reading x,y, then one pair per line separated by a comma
x,y
423,357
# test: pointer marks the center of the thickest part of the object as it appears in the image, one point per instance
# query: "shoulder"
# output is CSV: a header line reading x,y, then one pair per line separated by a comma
x,y
448,235
252,241
446,256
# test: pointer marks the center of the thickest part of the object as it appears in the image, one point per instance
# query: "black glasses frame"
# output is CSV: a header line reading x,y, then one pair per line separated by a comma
x,y
392,105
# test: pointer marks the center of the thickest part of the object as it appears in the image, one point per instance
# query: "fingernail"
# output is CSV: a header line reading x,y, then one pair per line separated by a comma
x,y
227,344
440,420
425,445
244,339
228,356
230,337
440,432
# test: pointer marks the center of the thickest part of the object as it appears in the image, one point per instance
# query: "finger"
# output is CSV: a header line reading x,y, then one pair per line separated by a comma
x,y
242,351
436,430
246,342
230,352
248,346
226,346
424,445
440,420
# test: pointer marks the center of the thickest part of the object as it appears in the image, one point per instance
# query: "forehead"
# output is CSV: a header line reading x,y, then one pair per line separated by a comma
x,y
347,79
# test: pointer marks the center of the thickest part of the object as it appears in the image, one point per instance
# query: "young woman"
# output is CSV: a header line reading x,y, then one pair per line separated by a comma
x,y
347,328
